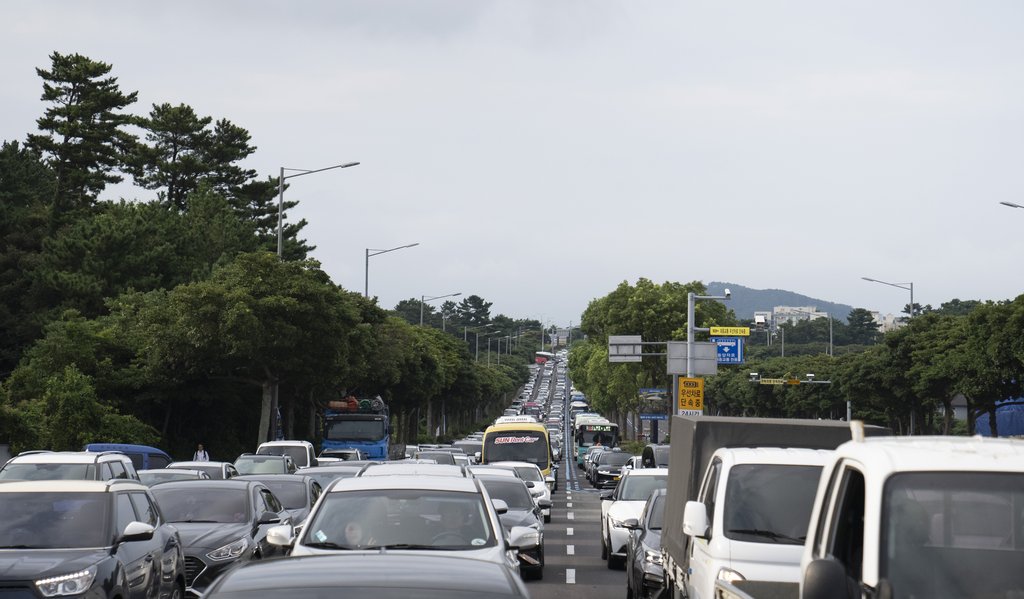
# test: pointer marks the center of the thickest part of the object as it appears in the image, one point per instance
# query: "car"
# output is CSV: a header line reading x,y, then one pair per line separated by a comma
x,y
88,539
539,487
345,455
251,463
222,523
408,514
632,463
441,457
297,493
301,452
644,574
325,475
606,468
655,455
626,501
523,510
69,465
588,455
413,469
143,457
159,475
381,575
216,470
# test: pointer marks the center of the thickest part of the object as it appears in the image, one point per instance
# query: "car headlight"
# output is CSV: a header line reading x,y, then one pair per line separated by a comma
x,y
730,575
615,522
69,584
232,550
652,557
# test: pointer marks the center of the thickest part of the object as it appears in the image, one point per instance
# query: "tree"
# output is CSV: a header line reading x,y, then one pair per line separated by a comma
x,y
226,147
256,203
83,137
174,161
473,311
861,327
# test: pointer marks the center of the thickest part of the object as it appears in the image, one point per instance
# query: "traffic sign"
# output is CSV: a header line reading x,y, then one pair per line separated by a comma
x,y
730,331
772,381
730,349
653,416
691,394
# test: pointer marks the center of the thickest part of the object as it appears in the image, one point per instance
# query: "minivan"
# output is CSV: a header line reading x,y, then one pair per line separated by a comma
x,y
143,457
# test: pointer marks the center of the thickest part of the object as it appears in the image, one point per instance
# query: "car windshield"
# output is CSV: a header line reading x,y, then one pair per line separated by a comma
x,y
953,534
639,488
54,520
513,492
769,503
48,472
291,493
298,454
261,465
522,446
613,458
410,518
151,478
187,503
529,473
326,476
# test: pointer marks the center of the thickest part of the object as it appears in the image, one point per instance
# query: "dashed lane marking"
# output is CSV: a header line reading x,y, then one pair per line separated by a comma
x,y
570,516
570,550
568,532
570,576
568,504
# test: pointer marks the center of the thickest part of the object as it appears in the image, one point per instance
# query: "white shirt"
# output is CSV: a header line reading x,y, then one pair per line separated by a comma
x,y
201,456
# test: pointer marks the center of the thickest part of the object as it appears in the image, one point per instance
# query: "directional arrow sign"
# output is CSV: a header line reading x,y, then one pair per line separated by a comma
x,y
730,349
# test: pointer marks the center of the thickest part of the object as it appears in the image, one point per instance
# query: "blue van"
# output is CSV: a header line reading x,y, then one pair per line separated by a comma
x,y
143,457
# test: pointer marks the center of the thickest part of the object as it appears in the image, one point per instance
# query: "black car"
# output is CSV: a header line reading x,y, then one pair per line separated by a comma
x,y
644,574
296,492
607,466
222,523
87,539
378,575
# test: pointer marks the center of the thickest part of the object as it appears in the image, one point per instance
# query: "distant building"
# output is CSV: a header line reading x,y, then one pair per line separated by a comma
x,y
887,322
562,337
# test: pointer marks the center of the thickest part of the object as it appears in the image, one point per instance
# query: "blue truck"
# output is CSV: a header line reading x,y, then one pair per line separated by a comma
x,y
358,423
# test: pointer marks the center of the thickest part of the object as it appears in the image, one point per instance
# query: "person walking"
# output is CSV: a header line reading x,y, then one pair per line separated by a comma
x,y
201,455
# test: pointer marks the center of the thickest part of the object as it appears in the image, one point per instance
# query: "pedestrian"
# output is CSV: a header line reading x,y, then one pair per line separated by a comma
x,y
201,455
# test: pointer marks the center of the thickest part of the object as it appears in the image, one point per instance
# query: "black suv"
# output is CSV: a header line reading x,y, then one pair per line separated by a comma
x,y
87,539
69,465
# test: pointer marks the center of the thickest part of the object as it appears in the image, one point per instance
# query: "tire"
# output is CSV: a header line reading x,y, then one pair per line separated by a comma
x,y
604,549
629,589
179,591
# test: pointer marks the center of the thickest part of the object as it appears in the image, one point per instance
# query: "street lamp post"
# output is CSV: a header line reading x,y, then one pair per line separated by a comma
x,y
370,252
424,299
1011,205
280,196
905,286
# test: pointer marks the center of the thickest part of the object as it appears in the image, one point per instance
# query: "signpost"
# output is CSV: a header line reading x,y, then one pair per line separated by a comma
x,y
730,349
691,396
625,348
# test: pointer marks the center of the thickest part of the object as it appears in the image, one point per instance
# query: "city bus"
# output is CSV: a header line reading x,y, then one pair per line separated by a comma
x,y
591,432
518,441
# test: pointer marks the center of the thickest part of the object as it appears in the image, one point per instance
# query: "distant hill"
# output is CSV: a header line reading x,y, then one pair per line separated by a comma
x,y
745,301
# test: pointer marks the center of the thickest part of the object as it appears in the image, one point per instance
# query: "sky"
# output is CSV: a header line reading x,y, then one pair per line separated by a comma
x,y
540,152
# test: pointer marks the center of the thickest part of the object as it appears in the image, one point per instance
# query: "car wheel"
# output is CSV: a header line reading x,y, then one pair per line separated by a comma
x,y
629,589
604,548
547,518
178,592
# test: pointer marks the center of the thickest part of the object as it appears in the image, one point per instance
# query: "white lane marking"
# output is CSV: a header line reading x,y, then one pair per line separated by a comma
x,y
570,516
570,576
569,504
570,550
568,532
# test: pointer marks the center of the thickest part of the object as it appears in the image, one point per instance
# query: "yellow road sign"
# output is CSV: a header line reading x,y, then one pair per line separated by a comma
x,y
691,393
730,331
772,381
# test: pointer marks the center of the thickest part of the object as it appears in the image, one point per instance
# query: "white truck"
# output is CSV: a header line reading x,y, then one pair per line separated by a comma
x,y
913,517
739,497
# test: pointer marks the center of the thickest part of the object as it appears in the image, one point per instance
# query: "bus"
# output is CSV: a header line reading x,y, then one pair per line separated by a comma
x,y
592,432
520,442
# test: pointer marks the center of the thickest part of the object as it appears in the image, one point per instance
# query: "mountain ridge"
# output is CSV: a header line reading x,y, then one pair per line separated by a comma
x,y
747,300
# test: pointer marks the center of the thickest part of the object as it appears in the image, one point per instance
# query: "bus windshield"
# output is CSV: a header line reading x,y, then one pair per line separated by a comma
x,y
591,434
519,446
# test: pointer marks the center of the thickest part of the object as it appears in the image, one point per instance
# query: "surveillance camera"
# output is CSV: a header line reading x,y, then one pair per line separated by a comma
x,y
810,375
753,374
728,294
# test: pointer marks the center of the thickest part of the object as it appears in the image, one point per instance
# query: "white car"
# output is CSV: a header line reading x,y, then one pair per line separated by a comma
x,y
626,501
409,514
531,473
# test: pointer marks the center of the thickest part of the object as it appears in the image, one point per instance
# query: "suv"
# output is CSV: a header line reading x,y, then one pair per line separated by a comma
x,y
301,452
69,465
88,539
251,463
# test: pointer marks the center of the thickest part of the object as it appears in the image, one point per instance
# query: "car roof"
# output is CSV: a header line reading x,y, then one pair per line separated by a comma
x,y
275,476
292,443
647,472
171,470
216,483
63,457
493,470
427,572
194,464
401,481
403,468
515,464
69,486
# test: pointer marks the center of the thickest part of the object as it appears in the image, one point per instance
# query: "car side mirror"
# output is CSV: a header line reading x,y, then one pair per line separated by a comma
x,y
695,520
523,537
270,518
631,524
544,503
530,484
606,495
281,536
824,579
500,506
137,531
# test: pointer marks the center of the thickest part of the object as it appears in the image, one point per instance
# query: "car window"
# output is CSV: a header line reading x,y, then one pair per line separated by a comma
x,y
105,472
513,492
117,470
125,512
271,501
56,520
145,509
157,461
187,503
639,488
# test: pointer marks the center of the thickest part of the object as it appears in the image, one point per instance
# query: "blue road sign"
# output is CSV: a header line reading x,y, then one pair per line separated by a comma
x,y
653,416
730,349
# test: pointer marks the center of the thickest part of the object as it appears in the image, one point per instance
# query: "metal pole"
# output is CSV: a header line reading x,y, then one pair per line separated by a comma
x,y
280,204
690,301
421,309
366,275
477,335
849,413
782,329
830,349
911,316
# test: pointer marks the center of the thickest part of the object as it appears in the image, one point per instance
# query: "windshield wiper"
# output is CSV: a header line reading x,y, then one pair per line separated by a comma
x,y
769,534
21,547
327,545
197,521
413,546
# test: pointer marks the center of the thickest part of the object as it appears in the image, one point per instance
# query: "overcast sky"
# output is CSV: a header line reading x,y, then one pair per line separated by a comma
x,y
543,151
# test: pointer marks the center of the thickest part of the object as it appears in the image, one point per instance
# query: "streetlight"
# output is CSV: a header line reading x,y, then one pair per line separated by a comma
x,y
424,299
906,286
280,196
488,345
372,252
1011,205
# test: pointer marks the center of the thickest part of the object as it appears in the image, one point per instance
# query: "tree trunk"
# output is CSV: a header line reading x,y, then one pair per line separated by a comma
x,y
289,420
311,429
268,395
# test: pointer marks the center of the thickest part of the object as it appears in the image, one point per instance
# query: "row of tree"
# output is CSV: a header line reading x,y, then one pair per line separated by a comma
x,y
172,321
906,379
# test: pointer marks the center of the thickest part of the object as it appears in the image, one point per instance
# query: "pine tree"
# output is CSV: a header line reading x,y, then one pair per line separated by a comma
x,y
174,161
